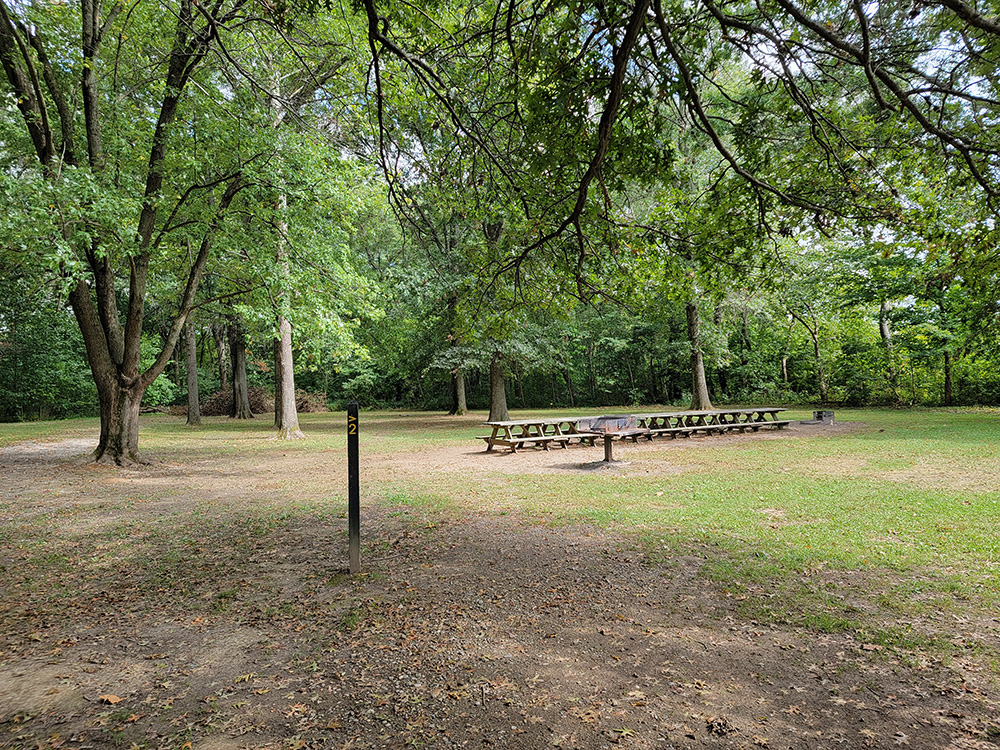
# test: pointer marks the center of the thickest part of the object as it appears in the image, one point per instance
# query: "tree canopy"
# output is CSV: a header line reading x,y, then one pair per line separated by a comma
x,y
420,189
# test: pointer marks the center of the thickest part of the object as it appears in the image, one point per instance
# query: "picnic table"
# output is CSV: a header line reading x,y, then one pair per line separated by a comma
x,y
516,433
688,423
562,431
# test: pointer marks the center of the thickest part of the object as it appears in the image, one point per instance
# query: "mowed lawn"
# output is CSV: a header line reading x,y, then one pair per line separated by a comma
x,y
906,500
781,581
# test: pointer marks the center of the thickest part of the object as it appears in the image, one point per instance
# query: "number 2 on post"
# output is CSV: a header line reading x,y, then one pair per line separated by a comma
x,y
352,426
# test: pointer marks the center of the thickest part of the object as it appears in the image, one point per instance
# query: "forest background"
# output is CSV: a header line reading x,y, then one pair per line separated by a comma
x,y
463,204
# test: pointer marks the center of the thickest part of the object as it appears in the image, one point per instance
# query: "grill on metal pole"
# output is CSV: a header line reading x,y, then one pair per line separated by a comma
x,y
610,427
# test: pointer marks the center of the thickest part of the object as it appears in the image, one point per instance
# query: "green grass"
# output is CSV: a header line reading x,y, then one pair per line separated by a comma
x,y
838,530
12,433
908,500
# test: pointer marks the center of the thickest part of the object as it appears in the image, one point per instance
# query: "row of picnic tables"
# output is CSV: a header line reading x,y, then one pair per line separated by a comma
x,y
564,431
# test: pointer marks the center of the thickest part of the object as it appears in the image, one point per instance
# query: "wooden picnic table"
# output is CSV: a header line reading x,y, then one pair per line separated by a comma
x,y
561,431
687,423
516,433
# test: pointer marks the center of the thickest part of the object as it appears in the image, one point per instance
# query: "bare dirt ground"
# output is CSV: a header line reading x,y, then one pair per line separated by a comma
x,y
195,605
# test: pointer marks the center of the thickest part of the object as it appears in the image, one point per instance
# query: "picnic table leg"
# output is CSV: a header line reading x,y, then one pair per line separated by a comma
x,y
559,433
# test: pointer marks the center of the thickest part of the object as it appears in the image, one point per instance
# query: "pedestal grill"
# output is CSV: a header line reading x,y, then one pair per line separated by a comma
x,y
610,427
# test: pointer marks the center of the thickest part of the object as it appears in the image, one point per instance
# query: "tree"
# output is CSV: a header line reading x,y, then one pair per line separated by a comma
x,y
287,96
498,390
559,108
238,355
114,211
191,360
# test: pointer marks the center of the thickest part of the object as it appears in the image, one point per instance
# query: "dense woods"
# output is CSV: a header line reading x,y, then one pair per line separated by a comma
x,y
465,205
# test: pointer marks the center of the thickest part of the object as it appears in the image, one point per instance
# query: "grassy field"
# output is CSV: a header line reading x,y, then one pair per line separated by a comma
x,y
883,529
908,497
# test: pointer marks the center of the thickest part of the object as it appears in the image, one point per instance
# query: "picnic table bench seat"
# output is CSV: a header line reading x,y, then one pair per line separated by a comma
x,y
517,442
671,432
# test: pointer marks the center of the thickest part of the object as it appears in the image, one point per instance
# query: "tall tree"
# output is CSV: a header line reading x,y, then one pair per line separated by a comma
x,y
498,388
191,359
238,353
115,212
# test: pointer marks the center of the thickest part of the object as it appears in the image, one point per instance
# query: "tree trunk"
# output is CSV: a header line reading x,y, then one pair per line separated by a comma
x,y
113,341
820,375
276,354
119,442
194,407
885,332
177,364
813,329
286,416
569,387
288,422
699,385
458,402
498,394
461,405
632,396
453,385
654,382
120,397
746,346
237,351
592,372
222,352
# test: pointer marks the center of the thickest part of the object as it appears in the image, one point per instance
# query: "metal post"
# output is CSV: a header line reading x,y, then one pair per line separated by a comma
x,y
353,489
607,449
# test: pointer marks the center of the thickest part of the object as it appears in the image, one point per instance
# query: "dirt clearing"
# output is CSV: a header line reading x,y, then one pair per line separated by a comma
x,y
204,605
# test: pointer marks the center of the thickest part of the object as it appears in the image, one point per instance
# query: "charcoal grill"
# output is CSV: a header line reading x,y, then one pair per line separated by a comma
x,y
610,427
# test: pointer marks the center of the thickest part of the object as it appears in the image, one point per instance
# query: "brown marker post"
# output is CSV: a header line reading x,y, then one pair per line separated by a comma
x,y
353,489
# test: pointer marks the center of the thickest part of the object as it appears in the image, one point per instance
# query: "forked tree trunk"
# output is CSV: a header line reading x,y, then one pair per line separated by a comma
x,y
700,399
568,379
113,340
498,393
119,442
237,350
194,407
811,324
119,389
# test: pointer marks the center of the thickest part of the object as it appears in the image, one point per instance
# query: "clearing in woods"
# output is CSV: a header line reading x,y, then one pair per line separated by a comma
x,y
507,601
